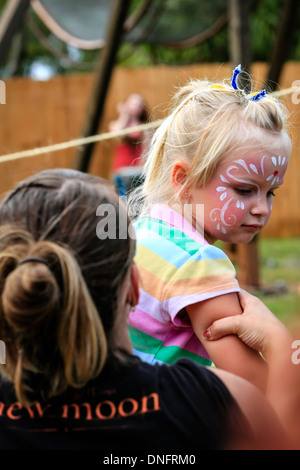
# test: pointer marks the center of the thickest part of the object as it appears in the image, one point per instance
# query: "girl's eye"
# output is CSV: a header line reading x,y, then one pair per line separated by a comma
x,y
271,193
243,191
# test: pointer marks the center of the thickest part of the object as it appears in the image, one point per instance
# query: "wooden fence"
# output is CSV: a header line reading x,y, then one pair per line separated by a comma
x,y
37,114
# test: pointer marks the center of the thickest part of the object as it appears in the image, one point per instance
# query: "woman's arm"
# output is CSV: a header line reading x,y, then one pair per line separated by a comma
x,y
262,331
268,432
229,352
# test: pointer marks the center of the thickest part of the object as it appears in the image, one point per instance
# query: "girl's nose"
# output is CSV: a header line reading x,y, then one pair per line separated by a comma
x,y
261,207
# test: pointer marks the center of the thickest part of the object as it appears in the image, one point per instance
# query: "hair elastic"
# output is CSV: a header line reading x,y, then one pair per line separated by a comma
x,y
33,259
257,96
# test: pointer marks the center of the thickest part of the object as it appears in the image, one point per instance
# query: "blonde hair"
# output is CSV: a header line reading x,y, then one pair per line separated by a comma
x,y
59,284
207,121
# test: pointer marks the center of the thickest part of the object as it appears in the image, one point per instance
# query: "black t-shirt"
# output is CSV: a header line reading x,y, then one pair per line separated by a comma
x,y
129,406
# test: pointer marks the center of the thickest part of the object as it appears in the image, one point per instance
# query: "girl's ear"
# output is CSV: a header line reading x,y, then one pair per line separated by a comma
x,y
179,176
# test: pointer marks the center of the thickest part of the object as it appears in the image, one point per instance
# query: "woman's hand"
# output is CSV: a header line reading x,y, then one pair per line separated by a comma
x,y
256,326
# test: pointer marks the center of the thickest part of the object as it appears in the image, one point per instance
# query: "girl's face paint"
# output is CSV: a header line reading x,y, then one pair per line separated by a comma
x,y
238,199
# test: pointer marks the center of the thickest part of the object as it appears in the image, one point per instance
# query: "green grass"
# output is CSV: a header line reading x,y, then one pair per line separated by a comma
x,y
279,275
280,270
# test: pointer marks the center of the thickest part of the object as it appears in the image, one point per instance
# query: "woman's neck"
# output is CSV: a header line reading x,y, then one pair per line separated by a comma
x,y
120,338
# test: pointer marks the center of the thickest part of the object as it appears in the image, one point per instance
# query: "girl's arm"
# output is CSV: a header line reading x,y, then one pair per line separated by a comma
x,y
229,352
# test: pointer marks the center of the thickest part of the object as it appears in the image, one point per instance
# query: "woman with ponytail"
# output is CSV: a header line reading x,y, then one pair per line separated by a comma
x,y
70,380
60,286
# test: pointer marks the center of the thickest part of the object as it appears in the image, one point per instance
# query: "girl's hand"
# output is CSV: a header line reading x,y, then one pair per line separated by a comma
x,y
257,327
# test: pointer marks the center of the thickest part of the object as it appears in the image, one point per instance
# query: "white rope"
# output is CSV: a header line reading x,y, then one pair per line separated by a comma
x,y
286,91
77,142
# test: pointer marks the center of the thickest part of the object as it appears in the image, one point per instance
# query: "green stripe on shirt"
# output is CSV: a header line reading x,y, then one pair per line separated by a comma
x,y
167,354
172,234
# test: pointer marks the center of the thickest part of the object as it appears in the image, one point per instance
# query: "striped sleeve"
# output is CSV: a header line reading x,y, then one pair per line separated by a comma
x,y
177,271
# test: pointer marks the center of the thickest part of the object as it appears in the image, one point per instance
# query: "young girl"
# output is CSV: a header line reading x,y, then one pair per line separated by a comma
x,y
211,173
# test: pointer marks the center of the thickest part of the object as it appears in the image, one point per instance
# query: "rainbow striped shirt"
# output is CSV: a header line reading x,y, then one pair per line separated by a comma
x,y
177,268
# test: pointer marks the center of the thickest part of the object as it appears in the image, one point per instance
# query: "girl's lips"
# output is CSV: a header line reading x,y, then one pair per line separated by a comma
x,y
252,226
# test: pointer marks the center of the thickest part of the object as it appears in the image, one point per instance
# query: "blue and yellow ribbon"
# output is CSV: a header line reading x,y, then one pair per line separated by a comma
x,y
234,83
234,78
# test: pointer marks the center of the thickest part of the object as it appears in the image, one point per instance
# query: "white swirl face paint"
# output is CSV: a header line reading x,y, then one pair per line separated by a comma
x,y
238,199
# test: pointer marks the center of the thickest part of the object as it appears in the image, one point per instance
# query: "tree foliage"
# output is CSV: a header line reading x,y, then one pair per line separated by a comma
x,y
35,43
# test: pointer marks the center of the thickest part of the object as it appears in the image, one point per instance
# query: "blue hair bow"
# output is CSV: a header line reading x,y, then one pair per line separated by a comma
x,y
234,83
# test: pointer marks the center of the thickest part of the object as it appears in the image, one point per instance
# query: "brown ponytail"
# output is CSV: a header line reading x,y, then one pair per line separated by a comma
x,y
52,301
